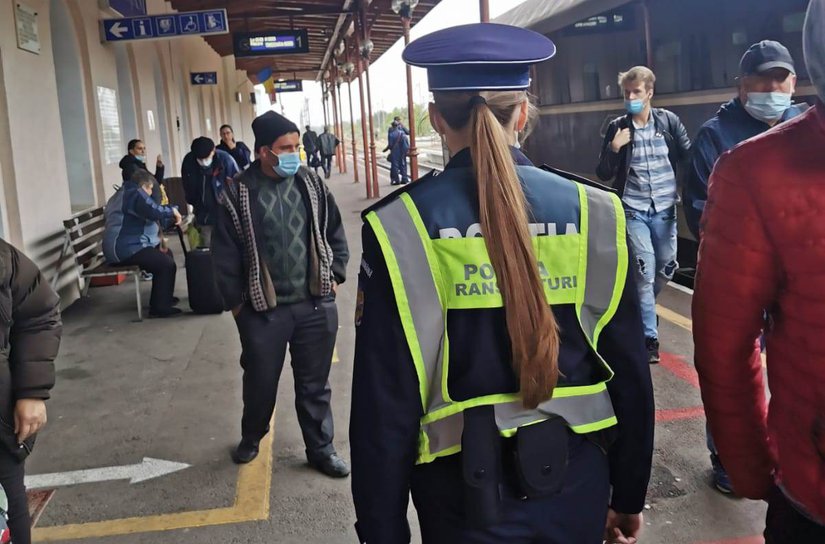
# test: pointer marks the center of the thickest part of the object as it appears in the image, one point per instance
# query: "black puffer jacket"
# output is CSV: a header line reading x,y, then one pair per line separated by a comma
x,y
30,330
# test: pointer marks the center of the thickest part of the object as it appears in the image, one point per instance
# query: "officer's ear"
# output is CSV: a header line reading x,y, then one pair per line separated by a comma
x,y
523,115
435,118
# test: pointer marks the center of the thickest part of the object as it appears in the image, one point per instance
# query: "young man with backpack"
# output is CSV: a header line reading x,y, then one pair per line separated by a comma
x,y
643,153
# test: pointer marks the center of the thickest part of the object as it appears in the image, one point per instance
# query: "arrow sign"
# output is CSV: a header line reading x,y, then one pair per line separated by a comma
x,y
203,78
147,469
117,30
165,25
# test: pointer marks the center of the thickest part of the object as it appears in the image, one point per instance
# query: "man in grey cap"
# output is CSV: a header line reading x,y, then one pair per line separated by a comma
x,y
767,82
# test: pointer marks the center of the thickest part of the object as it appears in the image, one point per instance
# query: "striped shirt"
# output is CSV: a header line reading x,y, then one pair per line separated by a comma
x,y
651,182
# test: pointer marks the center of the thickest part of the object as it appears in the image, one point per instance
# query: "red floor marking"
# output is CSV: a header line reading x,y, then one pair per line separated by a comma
x,y
679,368
674,414
38,500
746,540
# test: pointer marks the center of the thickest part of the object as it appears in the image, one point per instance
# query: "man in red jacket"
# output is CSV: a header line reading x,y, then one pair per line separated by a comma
x,y
763,246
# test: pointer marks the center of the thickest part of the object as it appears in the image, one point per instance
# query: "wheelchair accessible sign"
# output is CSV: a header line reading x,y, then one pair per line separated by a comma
x,y
168,25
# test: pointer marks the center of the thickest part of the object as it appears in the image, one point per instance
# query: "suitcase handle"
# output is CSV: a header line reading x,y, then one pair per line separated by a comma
x,y
182,241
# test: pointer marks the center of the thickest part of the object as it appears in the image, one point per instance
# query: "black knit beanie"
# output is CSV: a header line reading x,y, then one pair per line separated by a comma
x,y
269,127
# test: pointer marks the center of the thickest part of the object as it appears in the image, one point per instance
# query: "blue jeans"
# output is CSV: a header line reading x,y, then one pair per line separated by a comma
x,y
652,238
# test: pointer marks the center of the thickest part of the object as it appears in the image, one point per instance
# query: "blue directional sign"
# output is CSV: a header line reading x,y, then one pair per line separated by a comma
x,y
289,86
274,42
168,25
203,78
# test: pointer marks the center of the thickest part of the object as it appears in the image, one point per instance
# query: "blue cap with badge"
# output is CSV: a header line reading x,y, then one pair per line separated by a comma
x,y
479,57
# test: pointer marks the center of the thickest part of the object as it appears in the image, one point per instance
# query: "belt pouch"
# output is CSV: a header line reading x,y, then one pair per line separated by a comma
x,y
481,467
541,457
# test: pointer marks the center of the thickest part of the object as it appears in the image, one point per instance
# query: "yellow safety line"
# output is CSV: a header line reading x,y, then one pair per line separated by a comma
x,y
675,318
251,504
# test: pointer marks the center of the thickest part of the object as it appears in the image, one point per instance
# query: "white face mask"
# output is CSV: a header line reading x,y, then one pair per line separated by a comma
x,y
813,41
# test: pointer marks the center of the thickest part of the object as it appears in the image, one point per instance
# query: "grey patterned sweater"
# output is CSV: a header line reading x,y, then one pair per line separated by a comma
x,y
242,259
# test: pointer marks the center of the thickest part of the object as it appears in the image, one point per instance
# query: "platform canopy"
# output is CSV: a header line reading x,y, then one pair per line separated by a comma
x,y
328,23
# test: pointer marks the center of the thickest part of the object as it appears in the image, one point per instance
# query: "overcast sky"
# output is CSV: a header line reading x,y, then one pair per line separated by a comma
x,y
388,74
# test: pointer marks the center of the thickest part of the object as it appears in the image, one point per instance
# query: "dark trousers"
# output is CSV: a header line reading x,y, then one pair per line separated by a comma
x,y
163,269
398,169
11,478
309,328
573,516
786,525
326,164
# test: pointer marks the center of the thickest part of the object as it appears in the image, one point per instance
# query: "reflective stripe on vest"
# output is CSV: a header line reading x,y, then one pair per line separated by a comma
x,y
422,288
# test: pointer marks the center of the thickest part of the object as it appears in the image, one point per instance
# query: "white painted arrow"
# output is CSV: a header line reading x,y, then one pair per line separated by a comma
x,y
198,78
117,30
140,472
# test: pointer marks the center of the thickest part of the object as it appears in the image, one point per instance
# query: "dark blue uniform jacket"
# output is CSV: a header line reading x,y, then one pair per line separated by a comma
x,y
386,405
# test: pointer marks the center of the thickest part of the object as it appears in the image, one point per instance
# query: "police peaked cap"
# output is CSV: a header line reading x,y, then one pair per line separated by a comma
x,y
479,57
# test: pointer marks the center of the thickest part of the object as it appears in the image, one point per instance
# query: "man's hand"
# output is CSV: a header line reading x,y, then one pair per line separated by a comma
x,y
160,160
621,139
237,309
335,288
29,417
622,528
178,217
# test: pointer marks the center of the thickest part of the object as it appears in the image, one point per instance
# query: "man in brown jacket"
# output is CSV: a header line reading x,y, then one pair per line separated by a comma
x,y
30,330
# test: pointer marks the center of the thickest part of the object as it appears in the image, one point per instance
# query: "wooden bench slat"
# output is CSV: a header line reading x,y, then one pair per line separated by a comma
x,y
91,235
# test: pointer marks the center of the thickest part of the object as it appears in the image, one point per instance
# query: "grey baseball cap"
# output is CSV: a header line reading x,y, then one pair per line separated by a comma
x,y
762,56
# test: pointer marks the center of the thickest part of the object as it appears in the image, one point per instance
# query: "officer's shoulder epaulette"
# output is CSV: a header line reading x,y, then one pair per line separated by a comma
x,y
432,174
578,179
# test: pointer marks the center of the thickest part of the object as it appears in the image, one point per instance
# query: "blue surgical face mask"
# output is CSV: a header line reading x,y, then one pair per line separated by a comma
x,y
141,158
205,163
768,107
634,107
288,164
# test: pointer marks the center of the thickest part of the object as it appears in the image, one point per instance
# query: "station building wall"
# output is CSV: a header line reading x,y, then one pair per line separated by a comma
x,y
67,113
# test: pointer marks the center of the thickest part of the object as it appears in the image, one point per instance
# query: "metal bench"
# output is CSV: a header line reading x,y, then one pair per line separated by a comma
x,y
84,237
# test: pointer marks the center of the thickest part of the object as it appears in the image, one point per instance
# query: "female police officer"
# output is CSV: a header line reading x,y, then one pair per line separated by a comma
x,y
469,390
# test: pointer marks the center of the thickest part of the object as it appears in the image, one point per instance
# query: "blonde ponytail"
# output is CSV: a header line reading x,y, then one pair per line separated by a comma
x,y
531,325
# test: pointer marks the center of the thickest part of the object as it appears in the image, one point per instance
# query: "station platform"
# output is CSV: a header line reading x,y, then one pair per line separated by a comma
x,y
158,404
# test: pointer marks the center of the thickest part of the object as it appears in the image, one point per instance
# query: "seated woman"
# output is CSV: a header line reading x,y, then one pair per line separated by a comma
x,y
132,237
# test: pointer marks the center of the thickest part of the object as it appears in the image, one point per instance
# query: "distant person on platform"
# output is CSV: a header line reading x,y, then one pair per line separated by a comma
x,y
204,171
327,142
763,247
132,236
310,141
396,121
280,252
767,82
135,159
239,151
398,145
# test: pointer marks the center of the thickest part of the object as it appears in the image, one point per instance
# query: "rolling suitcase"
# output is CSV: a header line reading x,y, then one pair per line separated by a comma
x,y
204,297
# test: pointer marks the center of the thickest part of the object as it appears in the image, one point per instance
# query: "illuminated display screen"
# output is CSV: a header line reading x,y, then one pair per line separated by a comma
x,y
280,42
